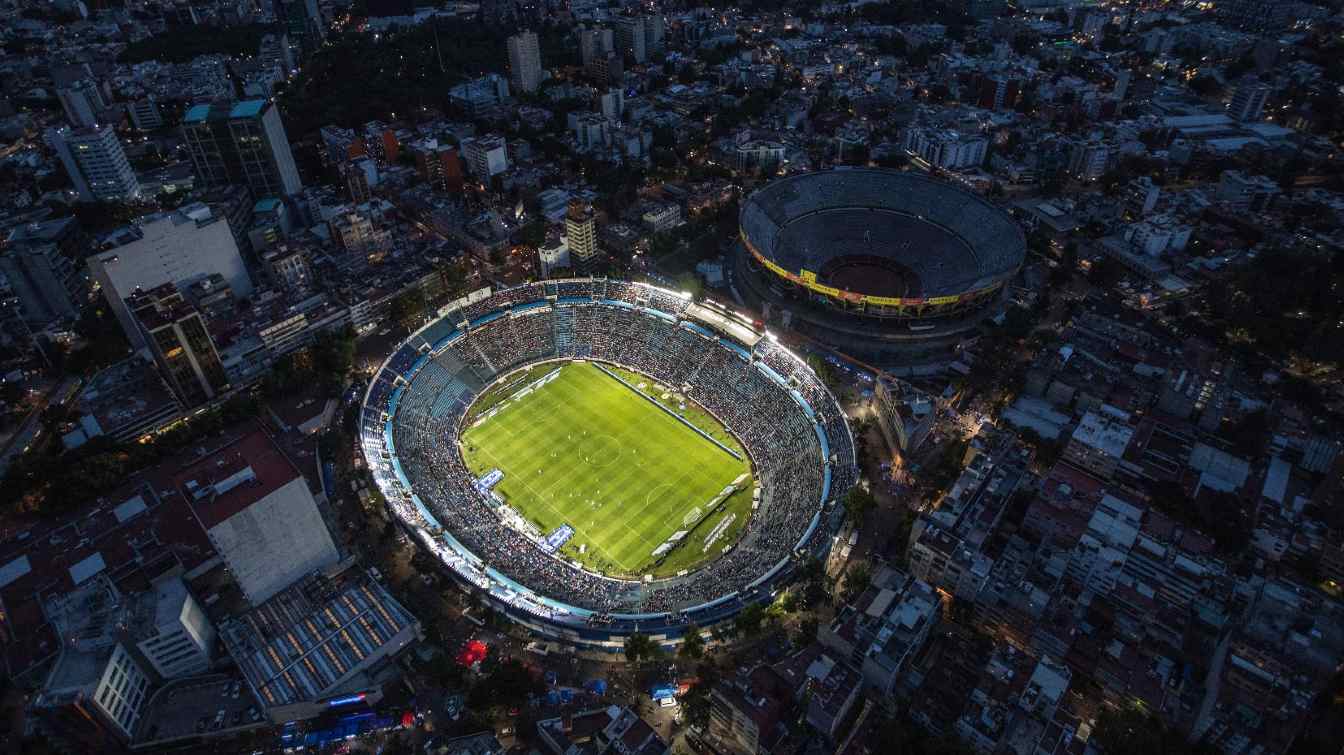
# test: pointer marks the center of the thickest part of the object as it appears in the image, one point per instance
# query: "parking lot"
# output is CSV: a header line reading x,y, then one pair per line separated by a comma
x,y
193,707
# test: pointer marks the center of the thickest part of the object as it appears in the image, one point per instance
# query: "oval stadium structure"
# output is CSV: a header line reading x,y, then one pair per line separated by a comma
x,y
475,366
877,262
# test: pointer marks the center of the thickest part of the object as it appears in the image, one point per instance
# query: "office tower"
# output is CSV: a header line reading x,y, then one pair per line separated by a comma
x,y
41,263
275,52
486,156
608,68
630,38
595,43
525,61
93,698
177,336
287,267
302,21
1248,101
179,247
241,143
481,98
361,175
438,164
96,163
581,234
613,104
655,31
1122,80
49,285
82,102
1140,196
1088,159
145,115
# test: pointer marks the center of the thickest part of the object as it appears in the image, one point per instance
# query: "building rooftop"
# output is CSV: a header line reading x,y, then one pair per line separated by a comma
x,y
315,634
238,476
1103,434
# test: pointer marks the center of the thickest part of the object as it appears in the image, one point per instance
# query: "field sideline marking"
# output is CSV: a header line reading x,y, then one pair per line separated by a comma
x,y
676,481
553,510
554,429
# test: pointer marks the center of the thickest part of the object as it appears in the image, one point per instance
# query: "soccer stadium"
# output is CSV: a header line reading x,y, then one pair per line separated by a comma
x,y
597,458
883,264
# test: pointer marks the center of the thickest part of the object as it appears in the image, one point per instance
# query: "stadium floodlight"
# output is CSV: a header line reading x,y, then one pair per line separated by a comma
x,y
686,295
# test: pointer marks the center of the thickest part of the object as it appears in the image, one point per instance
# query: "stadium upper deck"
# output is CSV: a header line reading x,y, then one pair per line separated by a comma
x,y
791,426
882,243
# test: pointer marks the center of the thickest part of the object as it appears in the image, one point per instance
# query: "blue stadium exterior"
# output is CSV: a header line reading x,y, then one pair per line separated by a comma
x,y
542,614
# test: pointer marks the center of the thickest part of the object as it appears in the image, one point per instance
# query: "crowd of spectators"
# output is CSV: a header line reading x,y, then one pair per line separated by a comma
x,y
637,327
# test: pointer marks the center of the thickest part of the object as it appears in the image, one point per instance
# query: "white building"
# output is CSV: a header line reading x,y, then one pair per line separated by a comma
x,y
486,156
1158,234
758,155
1248,100
180,639
946,148
1242,193
525,61
590,131
82,102
95,679
260,516
662,218
95,162
179,247
1088,160
553,254
1140,196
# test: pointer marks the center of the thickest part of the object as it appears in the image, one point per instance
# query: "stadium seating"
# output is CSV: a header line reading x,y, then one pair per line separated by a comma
x,y
778,434
995,240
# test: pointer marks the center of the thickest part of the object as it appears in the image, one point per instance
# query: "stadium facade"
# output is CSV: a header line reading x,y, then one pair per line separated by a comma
x,y
885,265
791,426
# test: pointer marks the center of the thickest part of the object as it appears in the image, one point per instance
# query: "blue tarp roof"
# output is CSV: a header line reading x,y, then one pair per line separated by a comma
x,y
247,108
197,114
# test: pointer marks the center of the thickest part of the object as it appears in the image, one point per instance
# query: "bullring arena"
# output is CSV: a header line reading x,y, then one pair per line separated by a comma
x,y
596,458
882,264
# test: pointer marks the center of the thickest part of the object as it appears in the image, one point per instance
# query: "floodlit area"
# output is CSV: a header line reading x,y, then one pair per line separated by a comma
x,y
613,470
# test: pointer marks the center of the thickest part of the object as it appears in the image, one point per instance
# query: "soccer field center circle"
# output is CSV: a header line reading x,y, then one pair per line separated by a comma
x,y
540,451
601,450
789,427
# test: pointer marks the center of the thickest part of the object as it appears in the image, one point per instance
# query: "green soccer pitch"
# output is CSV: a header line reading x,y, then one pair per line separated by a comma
x,y
586,450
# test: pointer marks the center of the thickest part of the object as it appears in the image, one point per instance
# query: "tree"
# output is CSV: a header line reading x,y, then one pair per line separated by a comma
x,y
693,644
1250,434
858,503
506,684
640,648
749,620
696,704
823,369
856,581
1105,273
407,308
533,234
1134,729
807,630
1205,85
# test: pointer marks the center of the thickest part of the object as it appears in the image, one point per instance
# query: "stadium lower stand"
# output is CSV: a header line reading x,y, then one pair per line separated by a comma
x,y
789,423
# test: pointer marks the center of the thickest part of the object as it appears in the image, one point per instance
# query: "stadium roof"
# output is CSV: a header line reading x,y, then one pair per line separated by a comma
x,y
947,240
